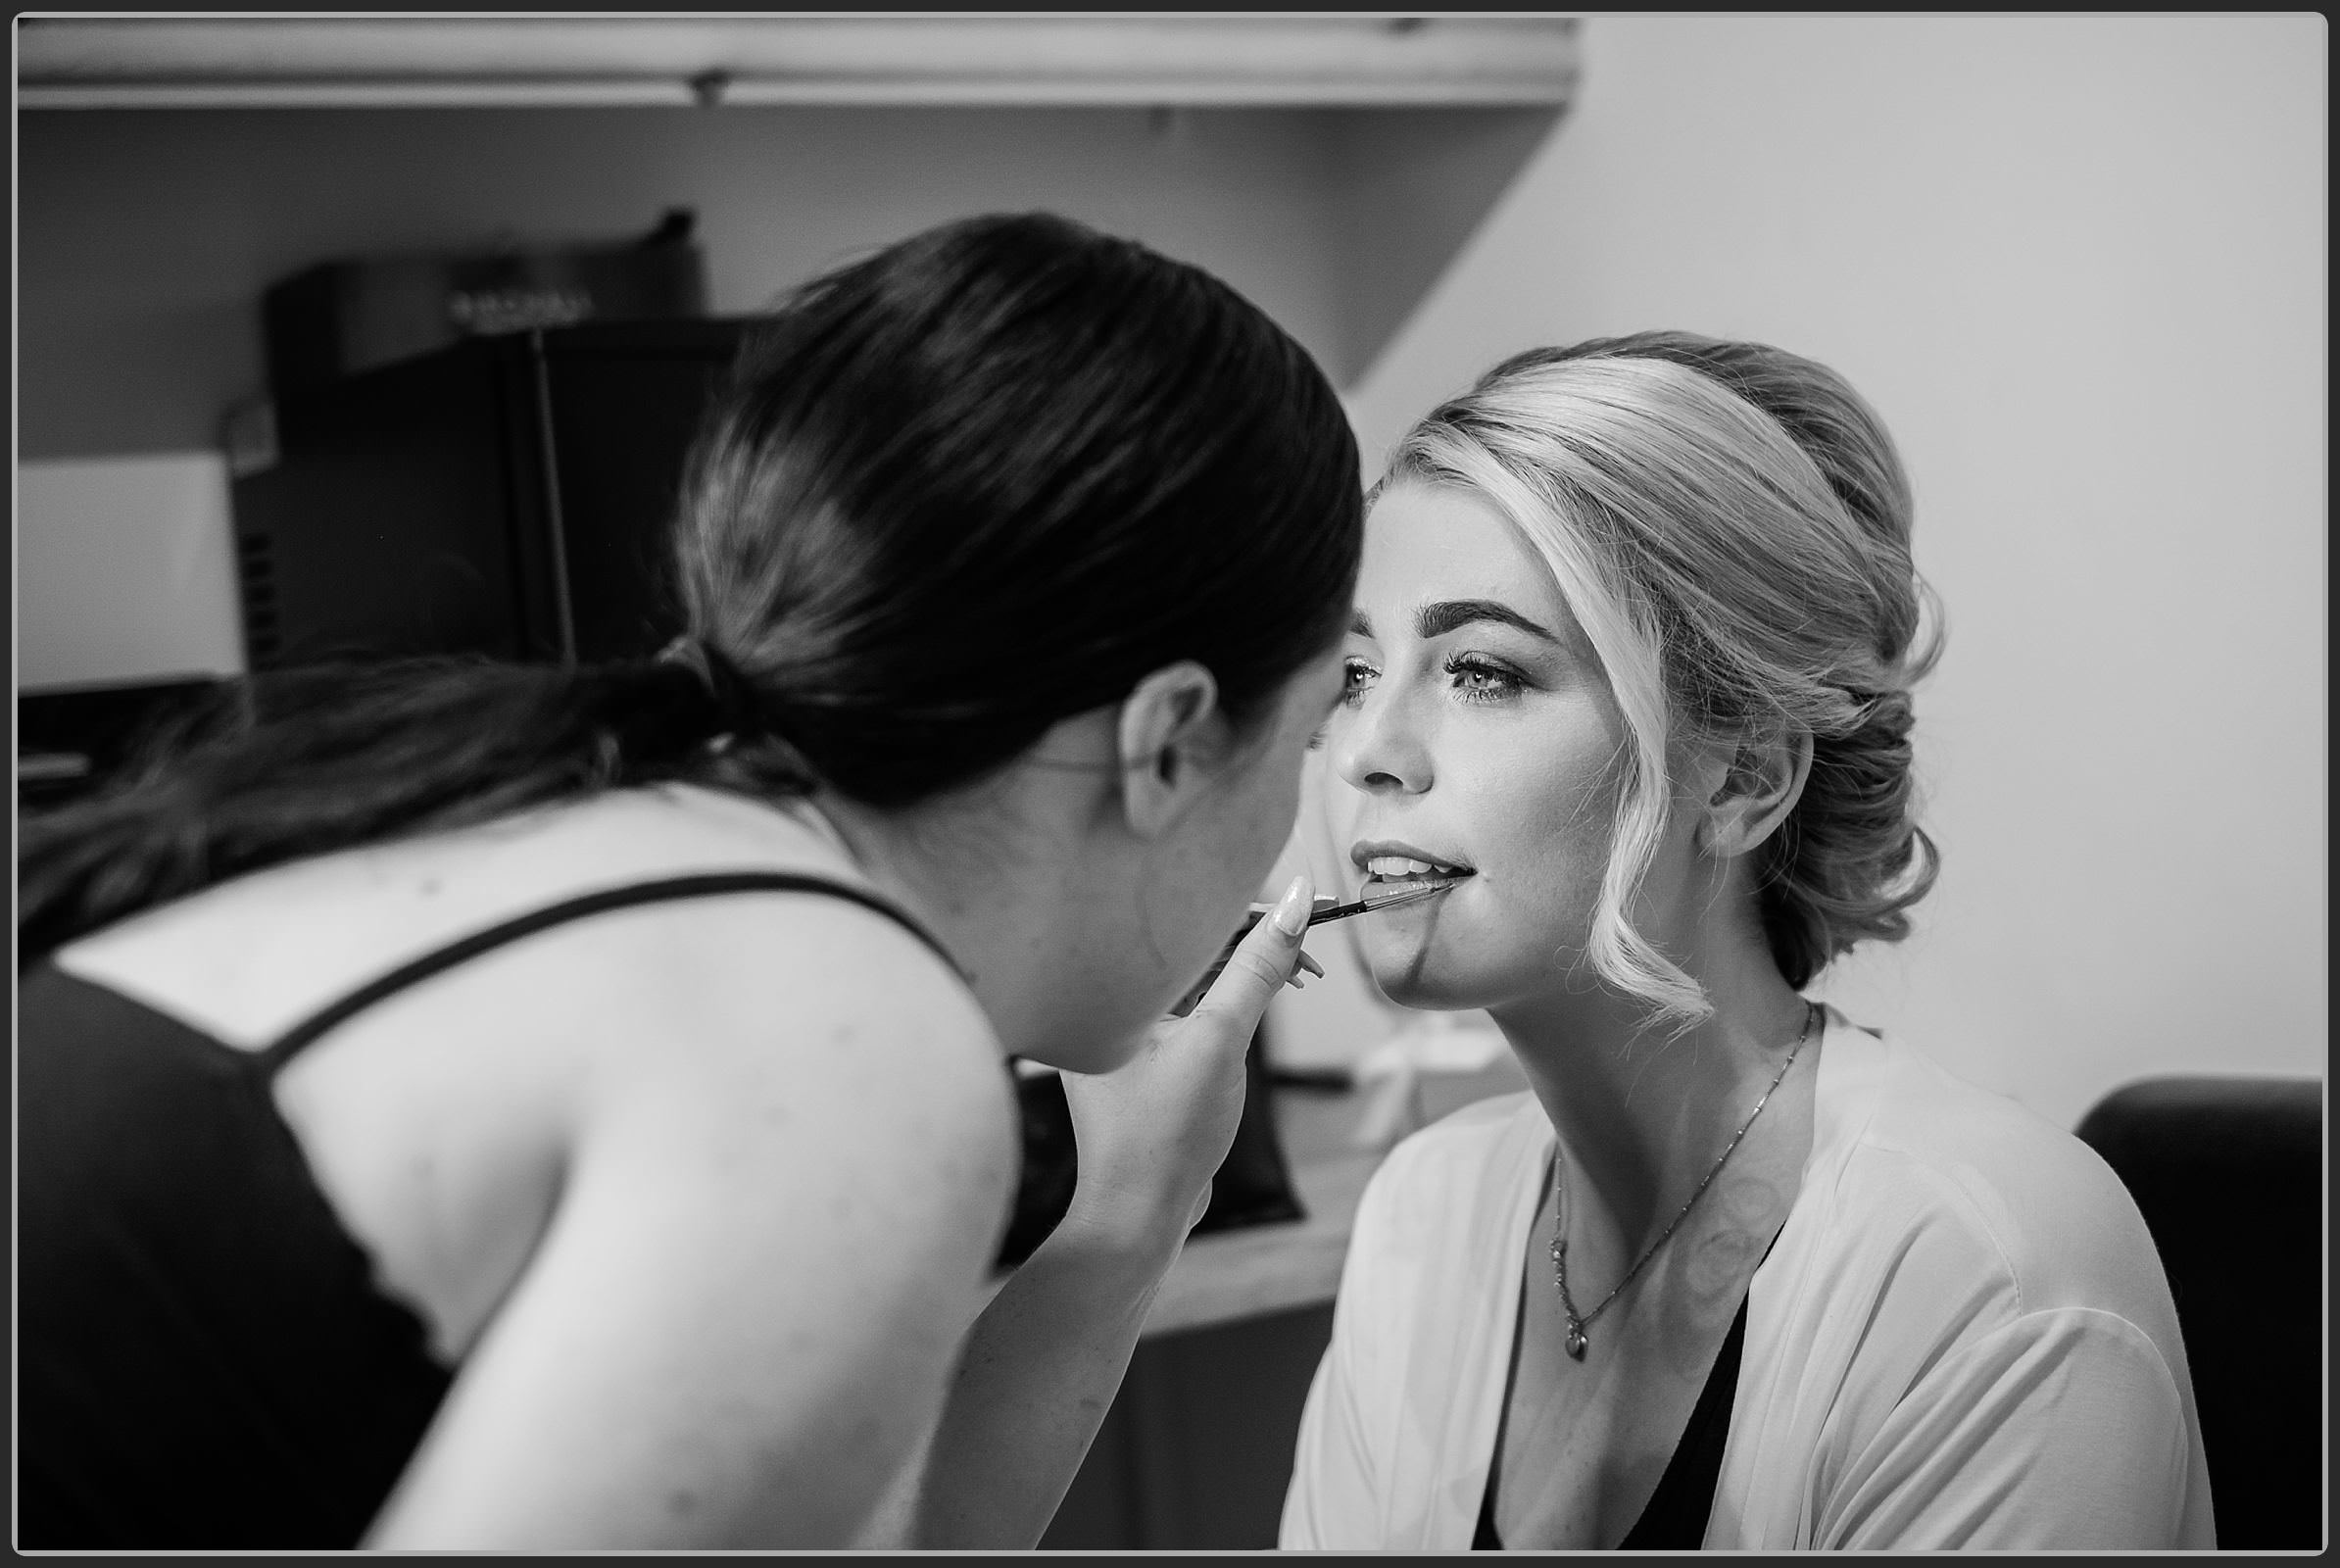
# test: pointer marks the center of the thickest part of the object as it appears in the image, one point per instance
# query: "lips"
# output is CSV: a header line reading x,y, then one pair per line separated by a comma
x,y
1392,864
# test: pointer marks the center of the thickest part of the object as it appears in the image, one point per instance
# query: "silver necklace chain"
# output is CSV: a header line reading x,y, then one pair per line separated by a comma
x,y
1578,1322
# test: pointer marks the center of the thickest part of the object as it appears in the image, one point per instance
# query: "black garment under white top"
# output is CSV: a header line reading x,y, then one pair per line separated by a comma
x,y
1962,1339
1674,1519
205,1360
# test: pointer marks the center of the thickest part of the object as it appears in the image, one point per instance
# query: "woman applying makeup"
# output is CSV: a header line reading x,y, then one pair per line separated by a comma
x,y
513,1107
1638,627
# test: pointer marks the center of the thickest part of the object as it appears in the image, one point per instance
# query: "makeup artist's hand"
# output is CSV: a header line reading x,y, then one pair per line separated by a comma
x,y
1153,1131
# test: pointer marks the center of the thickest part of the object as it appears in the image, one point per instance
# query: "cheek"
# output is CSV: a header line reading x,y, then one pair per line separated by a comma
x,y
1219,874
1548,834
1262,822
1279,814
1540,831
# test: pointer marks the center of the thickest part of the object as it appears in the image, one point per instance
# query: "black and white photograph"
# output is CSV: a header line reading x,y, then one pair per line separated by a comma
x,y
1341,782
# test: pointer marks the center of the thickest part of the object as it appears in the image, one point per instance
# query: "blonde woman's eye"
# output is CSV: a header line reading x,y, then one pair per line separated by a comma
x,y
1474,679
1355,676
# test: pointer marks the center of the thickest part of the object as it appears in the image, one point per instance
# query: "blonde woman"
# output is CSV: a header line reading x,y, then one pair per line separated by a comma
x,y
1638,627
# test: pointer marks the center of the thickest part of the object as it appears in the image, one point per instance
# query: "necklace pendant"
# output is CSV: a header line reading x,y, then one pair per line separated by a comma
x,y
1576,1342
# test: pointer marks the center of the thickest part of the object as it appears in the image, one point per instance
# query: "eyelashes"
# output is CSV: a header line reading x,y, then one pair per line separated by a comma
x,y
1471,677
1476,678
1353,675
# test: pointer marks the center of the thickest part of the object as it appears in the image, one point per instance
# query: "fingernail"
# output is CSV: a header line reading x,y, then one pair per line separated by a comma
x,y
1291,910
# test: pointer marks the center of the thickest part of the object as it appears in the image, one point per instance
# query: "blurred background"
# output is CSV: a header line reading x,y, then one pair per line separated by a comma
x,y
2078,263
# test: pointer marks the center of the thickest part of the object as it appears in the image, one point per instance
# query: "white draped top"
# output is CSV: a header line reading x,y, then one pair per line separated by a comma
x,y
1961,1339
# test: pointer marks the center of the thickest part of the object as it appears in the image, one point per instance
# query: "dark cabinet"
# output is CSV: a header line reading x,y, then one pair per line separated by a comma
x,y
507,496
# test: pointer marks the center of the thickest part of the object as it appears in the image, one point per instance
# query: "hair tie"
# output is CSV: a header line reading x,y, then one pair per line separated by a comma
x,y
738,713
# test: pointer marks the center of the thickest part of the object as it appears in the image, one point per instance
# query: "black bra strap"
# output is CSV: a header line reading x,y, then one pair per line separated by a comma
x,y
681,886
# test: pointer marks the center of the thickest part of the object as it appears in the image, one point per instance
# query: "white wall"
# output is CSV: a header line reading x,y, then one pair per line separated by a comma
x,y
2079,265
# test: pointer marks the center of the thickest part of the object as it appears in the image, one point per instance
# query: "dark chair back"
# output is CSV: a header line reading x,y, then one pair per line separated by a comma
x,y
2230,1175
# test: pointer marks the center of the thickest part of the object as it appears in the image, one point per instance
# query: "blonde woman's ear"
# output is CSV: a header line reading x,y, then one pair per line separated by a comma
x,y
1760,784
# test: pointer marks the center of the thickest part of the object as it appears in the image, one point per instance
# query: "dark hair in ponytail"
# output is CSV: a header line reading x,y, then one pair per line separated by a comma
x,y
976,483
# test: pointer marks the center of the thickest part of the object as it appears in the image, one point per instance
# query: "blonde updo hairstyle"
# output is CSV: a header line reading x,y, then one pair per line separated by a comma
x,y
1730,526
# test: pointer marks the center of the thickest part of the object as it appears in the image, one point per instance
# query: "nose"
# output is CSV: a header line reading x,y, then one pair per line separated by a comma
x,y
1382,750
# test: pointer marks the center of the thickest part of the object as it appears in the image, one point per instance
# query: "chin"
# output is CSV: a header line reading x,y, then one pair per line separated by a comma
x,y
1088,1054
1424,978
1429,992
1092,1033
1462,975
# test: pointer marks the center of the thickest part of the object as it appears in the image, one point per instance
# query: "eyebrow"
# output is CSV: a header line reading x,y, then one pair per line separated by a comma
x,y
1439,618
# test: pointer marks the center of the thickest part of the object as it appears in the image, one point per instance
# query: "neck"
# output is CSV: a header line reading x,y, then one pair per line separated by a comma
x,y
1643,1114
996,873
955,866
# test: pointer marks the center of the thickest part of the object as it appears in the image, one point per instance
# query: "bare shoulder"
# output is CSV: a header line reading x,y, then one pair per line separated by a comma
x,y
246,958
790,1158
808,1012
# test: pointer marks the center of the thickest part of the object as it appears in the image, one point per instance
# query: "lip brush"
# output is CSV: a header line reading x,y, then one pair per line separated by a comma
x,y
1365,904
1324,910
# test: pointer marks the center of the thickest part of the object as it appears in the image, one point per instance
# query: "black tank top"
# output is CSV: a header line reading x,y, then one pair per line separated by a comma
x,y
203,1358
